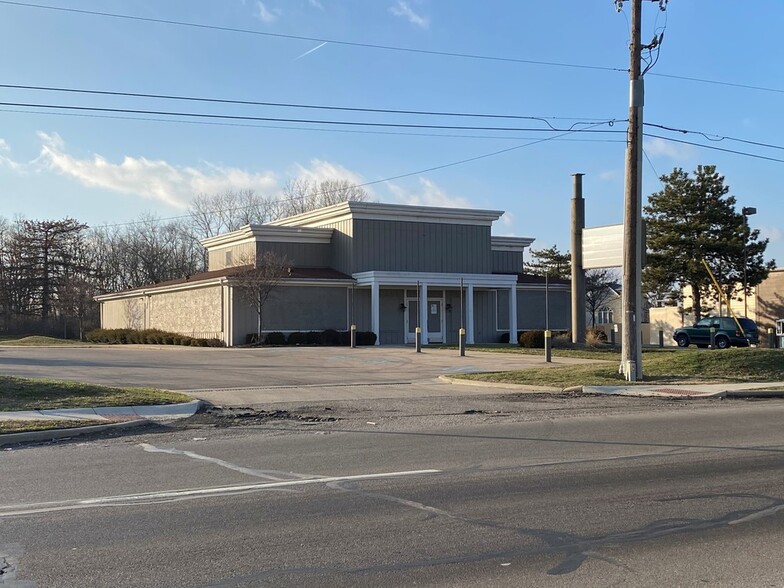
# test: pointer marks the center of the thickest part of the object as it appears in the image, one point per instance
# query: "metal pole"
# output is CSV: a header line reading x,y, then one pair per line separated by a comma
x,y
462,333
353,335
745,263
418,334
578,275
631,359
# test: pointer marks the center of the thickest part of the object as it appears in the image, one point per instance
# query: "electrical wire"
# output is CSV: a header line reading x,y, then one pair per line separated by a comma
x,y
744,153
299,128
307,121
714,137
312,39
291,105
374,182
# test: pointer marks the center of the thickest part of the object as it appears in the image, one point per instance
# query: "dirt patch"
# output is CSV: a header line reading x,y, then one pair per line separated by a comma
x,y
244,416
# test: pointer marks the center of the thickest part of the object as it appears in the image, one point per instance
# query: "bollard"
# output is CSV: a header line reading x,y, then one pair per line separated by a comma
x,y
548,346
462,339
713,337
353,336
661,338
771,338
418,340
613,333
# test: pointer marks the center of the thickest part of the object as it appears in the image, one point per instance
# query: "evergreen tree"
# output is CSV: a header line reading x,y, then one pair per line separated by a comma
x,y
694,218
550,262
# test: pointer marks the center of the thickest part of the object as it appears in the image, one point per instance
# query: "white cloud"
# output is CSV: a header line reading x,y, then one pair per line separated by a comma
x,y
151,179
321,170
6,161
403,9
428,195
316,4
266,15
656,147
610,175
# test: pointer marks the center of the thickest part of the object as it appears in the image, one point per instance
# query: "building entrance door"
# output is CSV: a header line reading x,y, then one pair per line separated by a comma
x,y
435,320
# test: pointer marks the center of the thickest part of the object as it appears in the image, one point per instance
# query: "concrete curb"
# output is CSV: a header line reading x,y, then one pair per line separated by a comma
x,y
48,435
150,412
519,387
146,414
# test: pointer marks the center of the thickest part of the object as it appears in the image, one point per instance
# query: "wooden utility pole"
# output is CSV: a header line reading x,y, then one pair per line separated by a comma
x,y
631,345
578,274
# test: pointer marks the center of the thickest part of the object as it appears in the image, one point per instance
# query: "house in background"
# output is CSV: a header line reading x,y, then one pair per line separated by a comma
x,y
384,267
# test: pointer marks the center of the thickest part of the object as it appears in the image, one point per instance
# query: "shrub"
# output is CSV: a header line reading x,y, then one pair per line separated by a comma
x,y
275,338
313,338
296,338
562,341
366,338
595,337
251,339
531,339
344,338
329,337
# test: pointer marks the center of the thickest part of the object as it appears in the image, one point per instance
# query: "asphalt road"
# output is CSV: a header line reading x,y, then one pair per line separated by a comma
x,y
598,496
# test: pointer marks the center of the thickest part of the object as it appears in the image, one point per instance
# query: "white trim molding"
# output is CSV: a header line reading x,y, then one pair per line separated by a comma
x,y
391,212
386,278
516,244
269,234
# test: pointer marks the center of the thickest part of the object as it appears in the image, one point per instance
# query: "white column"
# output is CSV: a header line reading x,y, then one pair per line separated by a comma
x,y
470,315
513,315
423,309
375,303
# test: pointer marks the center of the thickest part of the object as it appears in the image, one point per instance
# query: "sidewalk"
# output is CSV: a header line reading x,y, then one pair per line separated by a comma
x,y
746,389
110,417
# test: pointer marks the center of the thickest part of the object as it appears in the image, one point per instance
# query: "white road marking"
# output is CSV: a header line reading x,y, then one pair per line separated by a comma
x,y
149,497
266,474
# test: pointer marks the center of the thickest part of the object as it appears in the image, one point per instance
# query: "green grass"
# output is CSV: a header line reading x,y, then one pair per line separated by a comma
x,y
598,353
44,425
28,394
661,366
36,341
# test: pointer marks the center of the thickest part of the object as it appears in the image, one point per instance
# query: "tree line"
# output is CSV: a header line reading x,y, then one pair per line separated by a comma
x,y
51,270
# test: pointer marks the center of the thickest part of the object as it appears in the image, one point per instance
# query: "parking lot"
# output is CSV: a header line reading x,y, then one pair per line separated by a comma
x,y
259,375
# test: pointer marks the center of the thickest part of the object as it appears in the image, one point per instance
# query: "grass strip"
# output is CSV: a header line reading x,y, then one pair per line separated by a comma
x,y
24,426
38,341
660,367
30,394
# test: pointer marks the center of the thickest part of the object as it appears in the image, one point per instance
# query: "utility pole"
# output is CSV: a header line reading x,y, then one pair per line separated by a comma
x,y
578,274
631,347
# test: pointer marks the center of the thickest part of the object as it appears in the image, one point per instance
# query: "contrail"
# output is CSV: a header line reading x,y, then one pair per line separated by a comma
x,y
311,50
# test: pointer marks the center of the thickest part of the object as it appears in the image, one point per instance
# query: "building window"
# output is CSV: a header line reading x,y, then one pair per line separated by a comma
x,y
604,316
228,259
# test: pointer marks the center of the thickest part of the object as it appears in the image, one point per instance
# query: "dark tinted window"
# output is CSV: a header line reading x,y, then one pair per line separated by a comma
x,y
748,324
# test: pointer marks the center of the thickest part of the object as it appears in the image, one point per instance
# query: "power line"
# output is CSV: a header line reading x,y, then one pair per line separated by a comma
x,y
306,121
715,137
744,153
312,39
298,128
385,47
290,105
381,181
718,83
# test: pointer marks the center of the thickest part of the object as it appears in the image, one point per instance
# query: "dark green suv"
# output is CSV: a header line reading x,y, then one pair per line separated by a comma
x,y
727,333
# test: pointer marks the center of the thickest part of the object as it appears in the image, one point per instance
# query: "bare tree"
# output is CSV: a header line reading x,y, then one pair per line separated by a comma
x,y
304,195
256,281
227,211
598,290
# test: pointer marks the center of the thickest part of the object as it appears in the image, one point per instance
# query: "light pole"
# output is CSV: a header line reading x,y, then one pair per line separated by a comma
x,y
746,211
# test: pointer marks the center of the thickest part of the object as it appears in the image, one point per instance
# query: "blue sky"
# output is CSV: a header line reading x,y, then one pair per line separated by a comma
x,y
108,170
